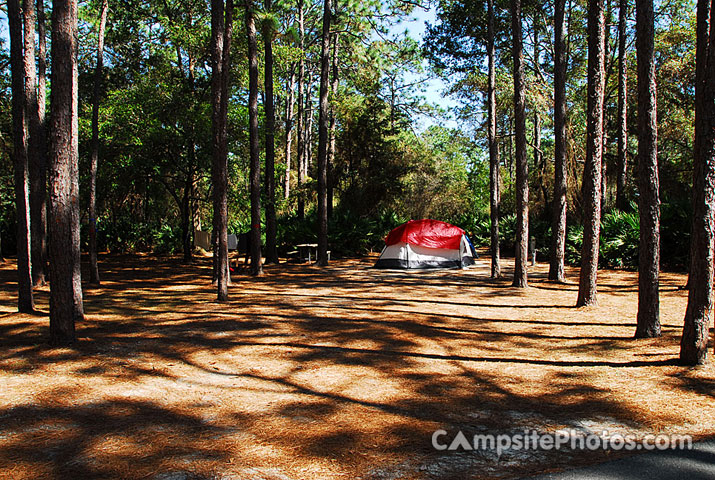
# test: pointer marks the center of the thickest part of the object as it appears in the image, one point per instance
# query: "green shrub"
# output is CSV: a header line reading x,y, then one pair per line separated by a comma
x,y
507,234
574,242
620,237
348,233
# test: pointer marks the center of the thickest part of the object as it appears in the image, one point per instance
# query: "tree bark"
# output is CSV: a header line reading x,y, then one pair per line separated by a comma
x,y
301,110
539,162
494,180
220,60
323,132
308,125
25,300
66,307
522,168
594,150
290,103
648,324
699,312
558,239
38,189
255,160
94,157
621,202
36,148
608,19
333,124
186,216
271,248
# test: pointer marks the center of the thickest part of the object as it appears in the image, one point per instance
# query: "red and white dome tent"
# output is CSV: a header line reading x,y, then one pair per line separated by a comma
x,y
426,244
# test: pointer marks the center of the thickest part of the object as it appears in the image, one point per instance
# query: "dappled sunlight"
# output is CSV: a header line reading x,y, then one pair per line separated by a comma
x,y
341,372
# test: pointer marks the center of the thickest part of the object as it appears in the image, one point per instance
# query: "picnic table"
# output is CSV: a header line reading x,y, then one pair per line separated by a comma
x,y
305,251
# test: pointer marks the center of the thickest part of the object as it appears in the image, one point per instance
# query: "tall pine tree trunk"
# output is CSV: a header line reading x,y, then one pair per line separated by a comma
x,y
648,324
334,82
94,157
594,150
25,300
558,240
539,160
66,306
323,131
521,245
186,217
621,202
254,145
220,60
290,103
36,152
301,111
608,19
271,249
190,180
38,162
699,312
494,181
308,124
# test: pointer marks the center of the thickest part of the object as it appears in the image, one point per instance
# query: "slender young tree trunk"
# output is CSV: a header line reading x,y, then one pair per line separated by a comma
x,y
331,144
186,218
217,35
301,111
255,161
220,59
558,240
522,167
223,174
25,300
271,249
594,150
66,306
538,157
94,157
289,132
510,137
36,150
188,205
309,117
621,202
649,199
38,166
699,312
494,181
190,181
608,19
323,132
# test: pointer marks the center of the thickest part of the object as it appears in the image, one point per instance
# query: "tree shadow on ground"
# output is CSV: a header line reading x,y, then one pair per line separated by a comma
x,y
310,373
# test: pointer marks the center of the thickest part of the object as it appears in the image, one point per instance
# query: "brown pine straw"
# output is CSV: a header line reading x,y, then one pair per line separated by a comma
x,y
342,372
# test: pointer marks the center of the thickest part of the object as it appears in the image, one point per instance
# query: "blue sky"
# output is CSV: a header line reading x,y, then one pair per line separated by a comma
x,y
415,27
3,28
433,87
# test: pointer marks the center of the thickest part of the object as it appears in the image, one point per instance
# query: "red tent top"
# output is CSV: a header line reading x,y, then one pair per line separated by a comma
x,y
427,233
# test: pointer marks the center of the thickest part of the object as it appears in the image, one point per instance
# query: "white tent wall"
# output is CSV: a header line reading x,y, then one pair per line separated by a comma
x,y
403,255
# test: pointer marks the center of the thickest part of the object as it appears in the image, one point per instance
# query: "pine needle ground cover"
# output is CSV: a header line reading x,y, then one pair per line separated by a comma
x,y
342,372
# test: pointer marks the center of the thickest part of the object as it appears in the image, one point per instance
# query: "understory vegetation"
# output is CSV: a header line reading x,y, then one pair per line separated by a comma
x,y
396,157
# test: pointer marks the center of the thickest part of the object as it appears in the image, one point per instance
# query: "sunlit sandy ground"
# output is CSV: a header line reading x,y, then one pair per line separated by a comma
x,y
342,372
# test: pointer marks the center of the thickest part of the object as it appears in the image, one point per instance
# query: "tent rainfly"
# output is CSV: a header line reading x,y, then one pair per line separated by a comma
x,y
426,244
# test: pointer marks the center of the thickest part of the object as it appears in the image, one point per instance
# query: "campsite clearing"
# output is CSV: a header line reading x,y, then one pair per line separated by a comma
x,y
331,373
